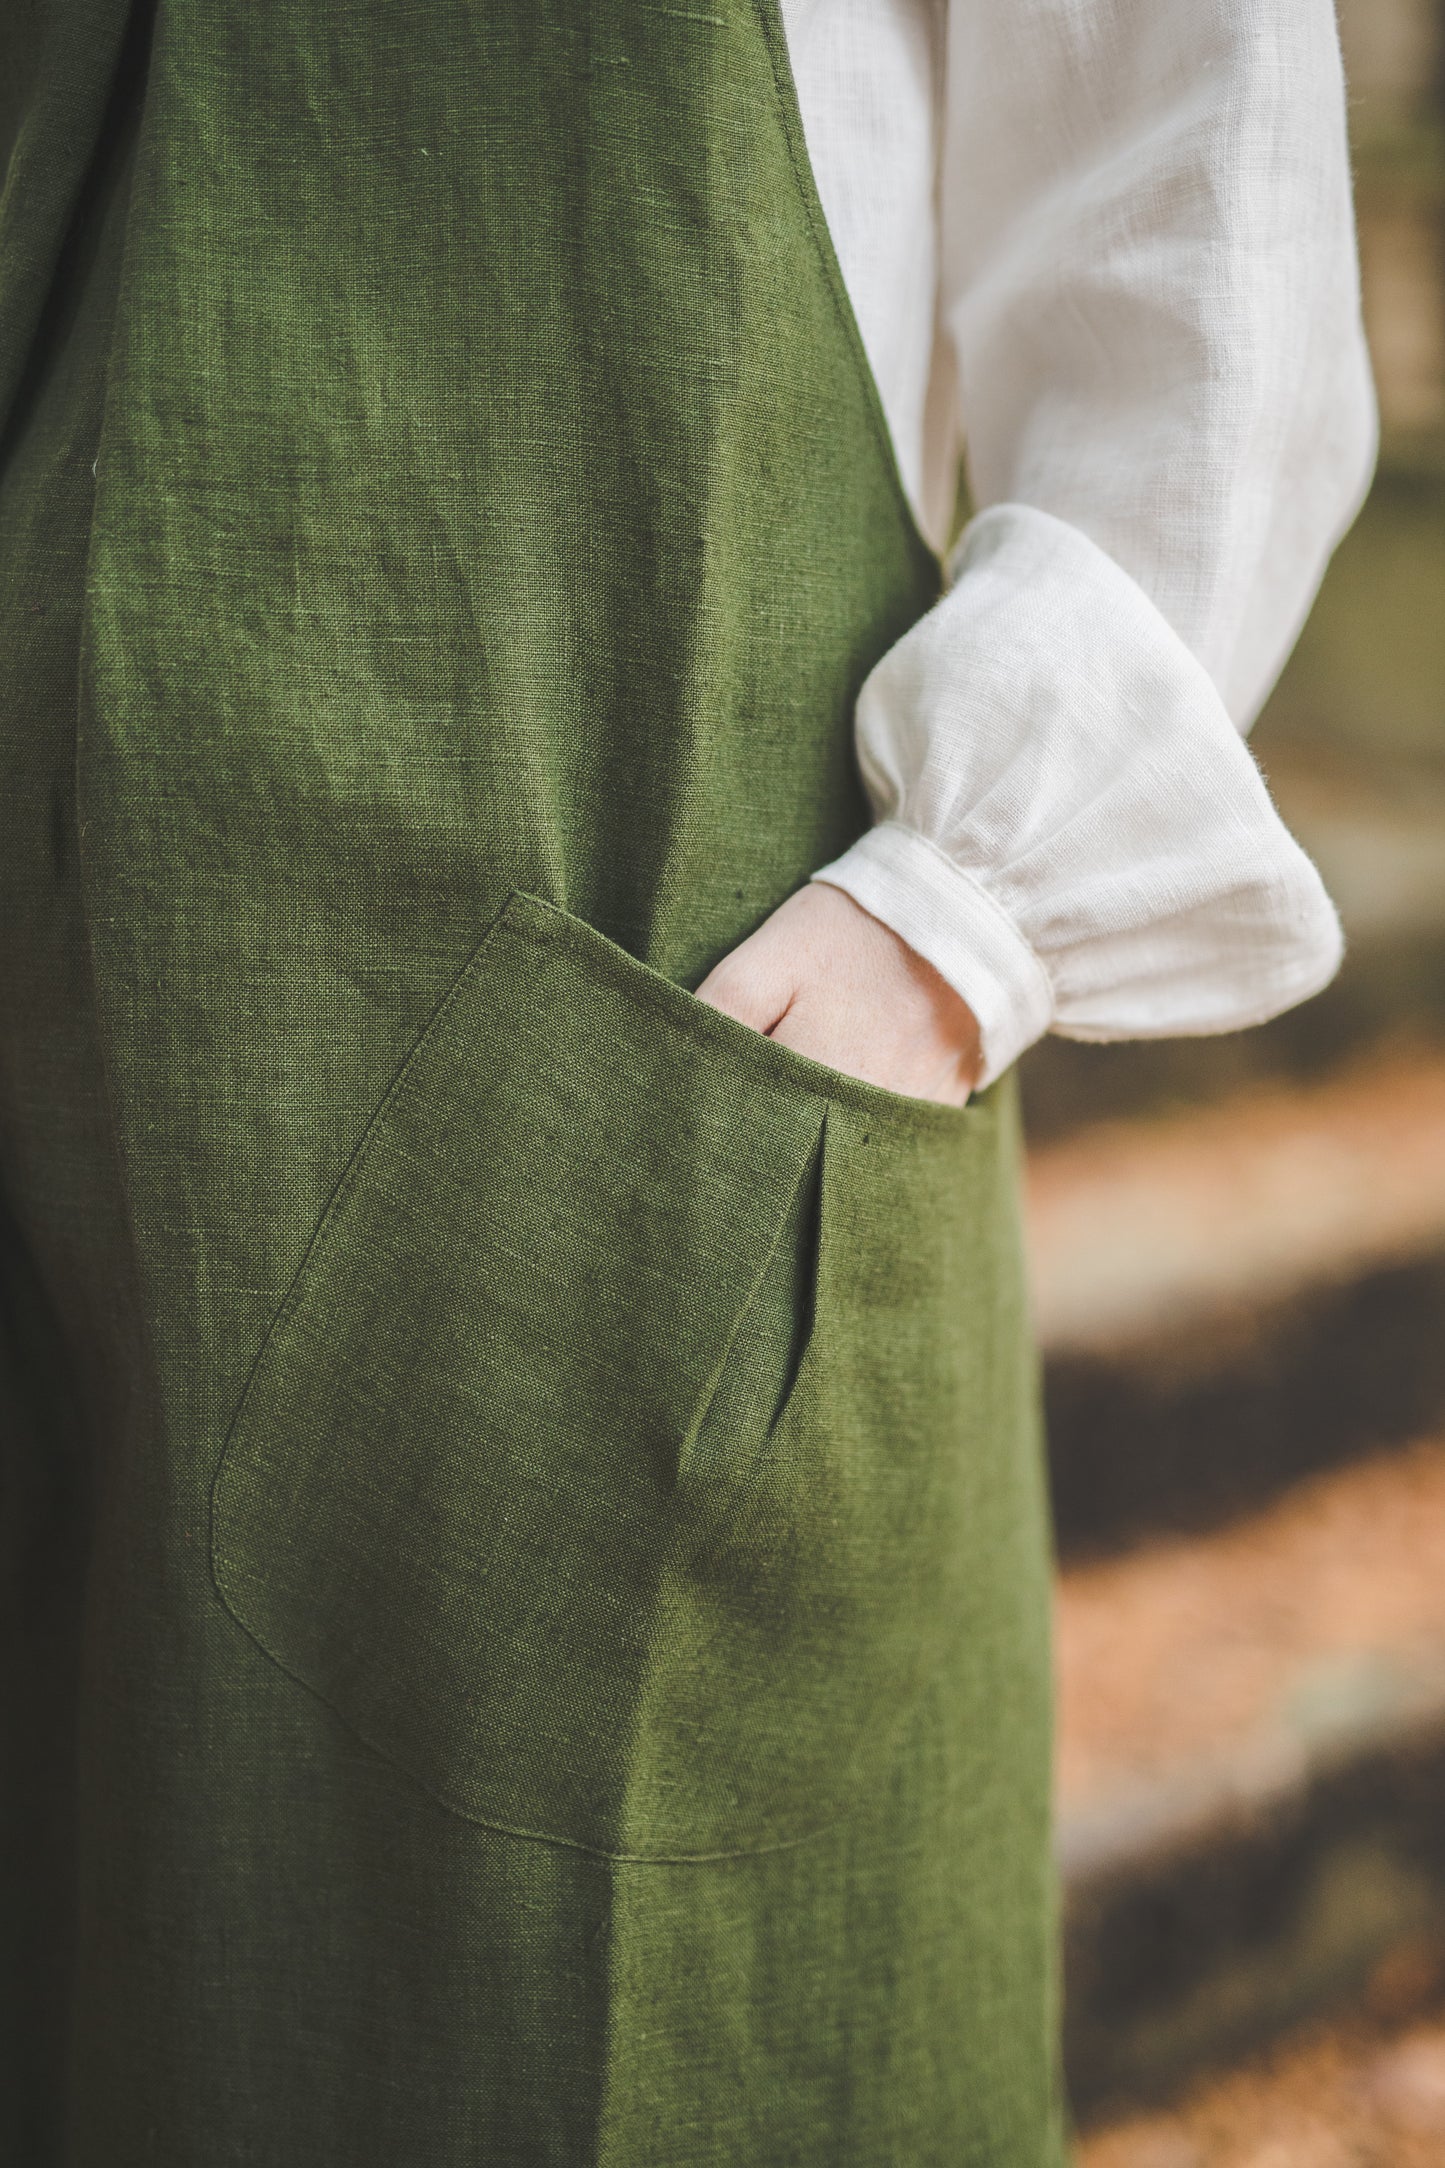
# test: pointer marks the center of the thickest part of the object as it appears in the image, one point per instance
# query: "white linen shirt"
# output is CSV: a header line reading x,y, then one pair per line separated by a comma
x,y
1110,244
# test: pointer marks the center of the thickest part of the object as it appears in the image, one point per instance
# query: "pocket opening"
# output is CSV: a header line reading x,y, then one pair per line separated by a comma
x,y
455,1502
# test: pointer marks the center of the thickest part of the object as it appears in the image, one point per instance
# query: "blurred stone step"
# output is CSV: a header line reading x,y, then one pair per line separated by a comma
x,y
1234,1296
1251,1773
1367,2091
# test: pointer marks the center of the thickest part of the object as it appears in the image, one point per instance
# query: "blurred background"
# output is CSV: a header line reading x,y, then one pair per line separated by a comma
x,y
1239,1259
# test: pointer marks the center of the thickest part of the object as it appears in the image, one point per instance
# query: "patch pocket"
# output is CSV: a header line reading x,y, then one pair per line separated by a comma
x,y
456,1481
612,1465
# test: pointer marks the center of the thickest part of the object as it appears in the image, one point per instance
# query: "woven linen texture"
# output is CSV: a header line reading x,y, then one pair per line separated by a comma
x,y
525,1564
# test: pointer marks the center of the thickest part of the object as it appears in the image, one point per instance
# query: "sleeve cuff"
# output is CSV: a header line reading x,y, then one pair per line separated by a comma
x,y
952,921
1069,826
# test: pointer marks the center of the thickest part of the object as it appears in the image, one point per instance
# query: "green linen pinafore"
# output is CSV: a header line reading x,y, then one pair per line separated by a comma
x,y
523,1567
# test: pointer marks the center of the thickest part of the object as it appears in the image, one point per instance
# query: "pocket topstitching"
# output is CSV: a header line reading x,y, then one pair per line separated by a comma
x,y
548,1480
452,1487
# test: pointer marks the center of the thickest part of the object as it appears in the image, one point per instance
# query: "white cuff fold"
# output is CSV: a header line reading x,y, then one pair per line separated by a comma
x,y
1071,829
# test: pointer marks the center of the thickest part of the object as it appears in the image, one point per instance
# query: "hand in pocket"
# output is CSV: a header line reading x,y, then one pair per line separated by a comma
x,y
825,977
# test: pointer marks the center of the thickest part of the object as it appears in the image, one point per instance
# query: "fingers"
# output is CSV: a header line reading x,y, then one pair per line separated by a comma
x,y
756,981
828,980
894,1046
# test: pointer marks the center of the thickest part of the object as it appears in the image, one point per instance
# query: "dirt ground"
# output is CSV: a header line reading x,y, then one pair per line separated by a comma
x,y
1368,2092
1138,1226
1287,1625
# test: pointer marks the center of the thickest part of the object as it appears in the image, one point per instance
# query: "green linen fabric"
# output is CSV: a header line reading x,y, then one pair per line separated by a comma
x,y
523,1561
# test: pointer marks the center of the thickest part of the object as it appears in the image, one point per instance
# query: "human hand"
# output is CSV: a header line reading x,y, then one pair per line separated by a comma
x,y
829,980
